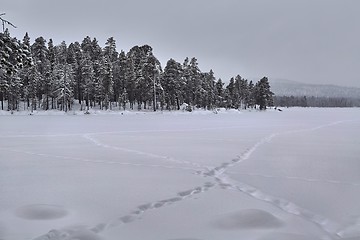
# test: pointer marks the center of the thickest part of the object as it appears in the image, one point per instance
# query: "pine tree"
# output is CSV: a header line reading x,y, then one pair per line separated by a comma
x,y
88,76
119,70
14,56
86,46
110,50
111,54
192,75
25,74
152,71
96,51
173,83
40,55
263,94
130,77
143,73
63,86
251,96
230,94
32,86
242,90
106,80
74,58
219,93
14,92
51,54
208,90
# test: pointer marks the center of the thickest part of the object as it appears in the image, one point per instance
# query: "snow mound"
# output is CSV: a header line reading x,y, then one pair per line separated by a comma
x,y
41,212
247,219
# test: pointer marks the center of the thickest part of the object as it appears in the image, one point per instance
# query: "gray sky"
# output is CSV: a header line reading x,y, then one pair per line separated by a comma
x,y
312,41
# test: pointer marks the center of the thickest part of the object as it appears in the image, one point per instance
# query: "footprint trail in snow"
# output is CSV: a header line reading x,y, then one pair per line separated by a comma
x,y
329,228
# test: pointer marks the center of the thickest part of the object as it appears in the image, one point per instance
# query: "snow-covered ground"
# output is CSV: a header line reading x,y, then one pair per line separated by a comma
x,y
291,175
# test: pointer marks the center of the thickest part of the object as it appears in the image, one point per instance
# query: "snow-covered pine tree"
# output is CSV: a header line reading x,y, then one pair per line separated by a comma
x,y
11,54
40,55
51,54
219,93
63,86
242,91
96,51
192,75
230,94
3,87
110,50
74,58
173,83
106,80
13,57
88,77
208,86
14,92
251,96
93,50
130,78
151,71
33,77
143,69
119,69
24,75
263,94
111,54
86,46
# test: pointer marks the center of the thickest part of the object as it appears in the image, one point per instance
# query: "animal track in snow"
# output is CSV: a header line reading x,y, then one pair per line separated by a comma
x,y
141,209
299,179
150,155
51,156
218,173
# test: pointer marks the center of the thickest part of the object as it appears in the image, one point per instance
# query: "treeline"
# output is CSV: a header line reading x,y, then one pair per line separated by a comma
x,y
303,101
45,76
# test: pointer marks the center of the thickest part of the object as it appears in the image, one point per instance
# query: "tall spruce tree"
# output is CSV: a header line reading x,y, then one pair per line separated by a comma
x,y
263,94
219,93
88,77
13,57
40,55
74,58
173,83
107,82
230,94
63,86
110,50
119,69
208,90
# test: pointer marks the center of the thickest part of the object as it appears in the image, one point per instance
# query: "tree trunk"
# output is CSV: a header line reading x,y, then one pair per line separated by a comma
x,y
32,104
2,100
178,103
47,102
87,102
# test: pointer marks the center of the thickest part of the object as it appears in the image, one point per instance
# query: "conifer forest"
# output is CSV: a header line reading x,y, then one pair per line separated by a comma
x,y
41,75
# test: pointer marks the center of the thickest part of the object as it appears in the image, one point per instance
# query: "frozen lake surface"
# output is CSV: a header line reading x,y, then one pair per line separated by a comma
x,y
291,175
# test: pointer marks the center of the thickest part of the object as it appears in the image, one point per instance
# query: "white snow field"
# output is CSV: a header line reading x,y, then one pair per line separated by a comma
x,y
290,175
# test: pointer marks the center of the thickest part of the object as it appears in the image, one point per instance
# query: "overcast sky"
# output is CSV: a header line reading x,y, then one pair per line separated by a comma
x,y
312,41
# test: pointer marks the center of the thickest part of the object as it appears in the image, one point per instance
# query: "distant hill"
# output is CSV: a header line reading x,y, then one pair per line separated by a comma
x,y
283,87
